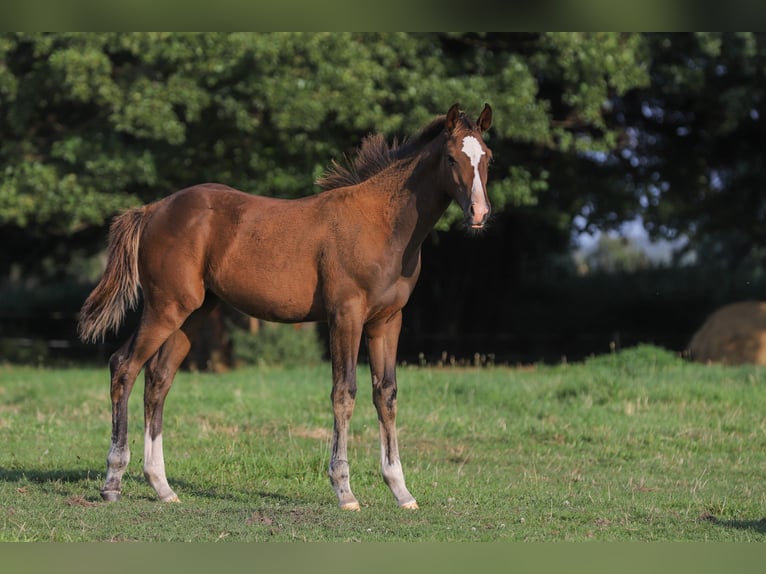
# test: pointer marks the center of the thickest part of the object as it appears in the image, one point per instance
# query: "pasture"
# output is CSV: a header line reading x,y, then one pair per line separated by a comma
x,y
634,446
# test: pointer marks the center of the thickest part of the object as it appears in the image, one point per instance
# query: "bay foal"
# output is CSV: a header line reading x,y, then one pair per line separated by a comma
x,y
349,256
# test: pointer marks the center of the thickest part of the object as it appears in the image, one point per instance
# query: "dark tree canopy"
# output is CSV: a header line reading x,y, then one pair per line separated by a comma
x,y
93,123
604,126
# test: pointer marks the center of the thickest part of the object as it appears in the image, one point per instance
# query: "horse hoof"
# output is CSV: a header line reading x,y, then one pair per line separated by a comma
x,y
351,506
110,495
171,498
412,505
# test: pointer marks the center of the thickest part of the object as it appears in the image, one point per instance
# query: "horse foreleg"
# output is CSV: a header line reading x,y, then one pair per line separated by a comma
x,y
382,341
345,337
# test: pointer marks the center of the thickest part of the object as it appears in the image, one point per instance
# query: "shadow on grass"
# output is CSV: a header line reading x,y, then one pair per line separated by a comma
x,y
184,488
40,476
758,526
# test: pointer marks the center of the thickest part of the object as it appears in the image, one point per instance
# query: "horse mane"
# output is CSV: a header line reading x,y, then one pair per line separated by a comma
x,y
375,154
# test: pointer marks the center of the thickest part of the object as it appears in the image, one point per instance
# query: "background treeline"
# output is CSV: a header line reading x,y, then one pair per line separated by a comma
x,y
591,131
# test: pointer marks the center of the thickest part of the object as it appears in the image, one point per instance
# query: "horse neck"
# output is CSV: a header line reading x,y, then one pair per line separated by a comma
x,y
416,196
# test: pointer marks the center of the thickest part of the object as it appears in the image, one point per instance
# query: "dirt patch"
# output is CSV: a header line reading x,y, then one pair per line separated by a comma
x,y
735,334
80,501
317,433
259,518
280,522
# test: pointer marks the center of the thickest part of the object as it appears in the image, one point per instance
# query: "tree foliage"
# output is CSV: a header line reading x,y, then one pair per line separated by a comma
x,y
692,161
93,123
591,129
616,255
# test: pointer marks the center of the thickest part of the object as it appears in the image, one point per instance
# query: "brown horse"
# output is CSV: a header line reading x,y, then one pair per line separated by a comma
x,y
349,256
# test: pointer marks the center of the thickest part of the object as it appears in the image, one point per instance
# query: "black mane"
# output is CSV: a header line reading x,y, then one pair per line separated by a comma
x,y
375,154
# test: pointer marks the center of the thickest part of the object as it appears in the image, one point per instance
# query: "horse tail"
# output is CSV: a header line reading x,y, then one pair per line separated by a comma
x,y
118,289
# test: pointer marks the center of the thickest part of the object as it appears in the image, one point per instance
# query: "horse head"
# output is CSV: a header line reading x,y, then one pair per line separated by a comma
x,y
465,162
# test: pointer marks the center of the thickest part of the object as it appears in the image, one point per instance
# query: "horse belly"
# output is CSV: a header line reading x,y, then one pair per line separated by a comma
x,y
287,298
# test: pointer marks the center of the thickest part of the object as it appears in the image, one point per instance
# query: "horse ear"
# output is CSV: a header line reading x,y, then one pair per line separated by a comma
x,y
452,116
485,119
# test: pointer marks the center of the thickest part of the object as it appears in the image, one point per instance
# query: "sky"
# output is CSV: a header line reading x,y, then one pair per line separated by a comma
x,y
659,252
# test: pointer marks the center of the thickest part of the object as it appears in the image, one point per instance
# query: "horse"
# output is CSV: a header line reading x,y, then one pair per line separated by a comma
x,y
349,255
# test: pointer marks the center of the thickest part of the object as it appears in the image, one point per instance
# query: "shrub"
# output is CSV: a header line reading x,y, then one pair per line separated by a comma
x,y
277,344
23,351
636,360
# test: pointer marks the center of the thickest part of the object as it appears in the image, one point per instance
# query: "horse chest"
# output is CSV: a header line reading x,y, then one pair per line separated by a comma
x,y
389,293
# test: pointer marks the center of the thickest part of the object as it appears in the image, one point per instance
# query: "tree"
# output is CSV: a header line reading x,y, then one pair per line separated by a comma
x,y
93,123
616,255
692,158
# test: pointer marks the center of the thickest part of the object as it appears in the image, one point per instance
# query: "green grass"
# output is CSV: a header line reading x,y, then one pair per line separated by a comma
x,y
634,446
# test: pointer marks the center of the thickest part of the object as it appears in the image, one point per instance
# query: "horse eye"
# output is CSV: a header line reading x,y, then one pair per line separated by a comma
x,y
451,160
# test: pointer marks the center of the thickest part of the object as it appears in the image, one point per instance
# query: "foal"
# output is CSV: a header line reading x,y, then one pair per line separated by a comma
x,y
349,256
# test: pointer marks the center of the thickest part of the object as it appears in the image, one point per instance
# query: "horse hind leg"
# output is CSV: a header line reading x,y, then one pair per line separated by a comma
x,y
124,365
159,375
119,452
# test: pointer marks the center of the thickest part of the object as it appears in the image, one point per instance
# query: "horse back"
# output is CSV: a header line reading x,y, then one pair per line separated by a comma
x,y
276,259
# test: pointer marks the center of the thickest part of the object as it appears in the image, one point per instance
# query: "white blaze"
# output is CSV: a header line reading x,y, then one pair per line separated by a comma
x,y
472,148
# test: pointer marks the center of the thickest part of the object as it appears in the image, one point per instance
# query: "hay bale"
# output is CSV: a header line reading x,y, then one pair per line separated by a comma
x,y
735,334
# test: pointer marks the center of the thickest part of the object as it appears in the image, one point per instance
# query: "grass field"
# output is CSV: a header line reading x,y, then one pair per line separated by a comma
x,y
638,445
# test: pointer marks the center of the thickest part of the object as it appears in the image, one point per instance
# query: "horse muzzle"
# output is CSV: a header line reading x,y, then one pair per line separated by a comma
x,y
477,215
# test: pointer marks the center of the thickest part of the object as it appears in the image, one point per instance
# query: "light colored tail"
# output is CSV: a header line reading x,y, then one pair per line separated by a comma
x,y
118,289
